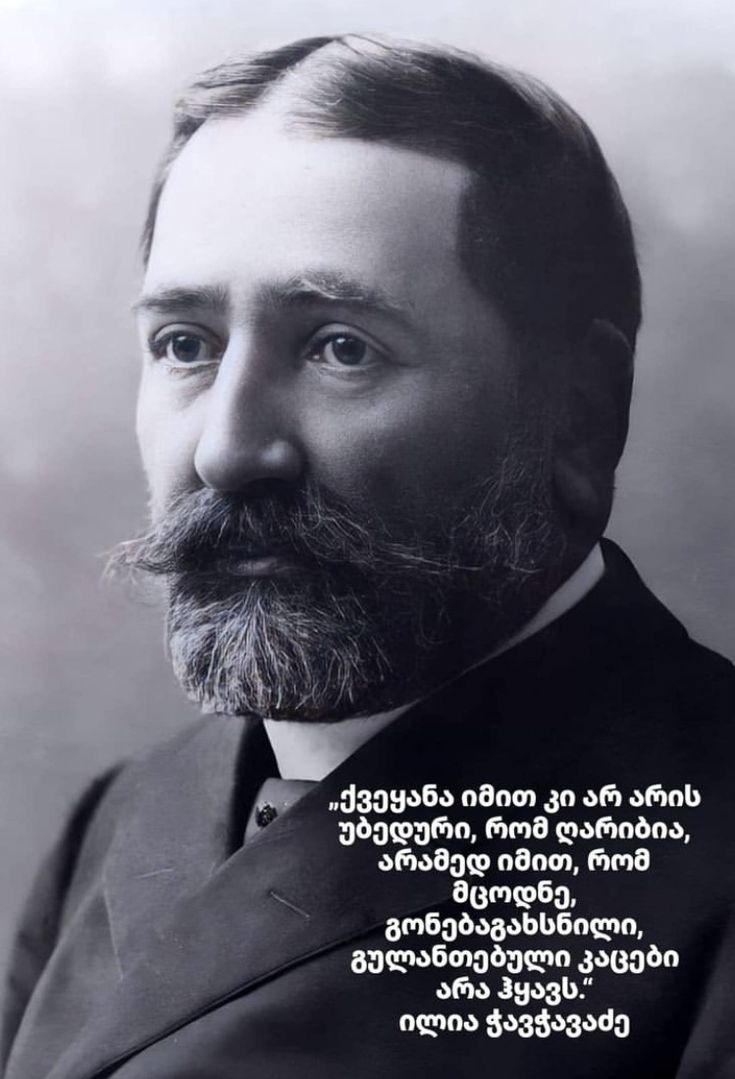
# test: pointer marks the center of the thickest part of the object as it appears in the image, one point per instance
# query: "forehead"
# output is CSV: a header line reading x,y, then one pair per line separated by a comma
x,y
249,199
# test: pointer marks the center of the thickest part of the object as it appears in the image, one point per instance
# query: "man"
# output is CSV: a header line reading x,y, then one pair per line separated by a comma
x,y
388,318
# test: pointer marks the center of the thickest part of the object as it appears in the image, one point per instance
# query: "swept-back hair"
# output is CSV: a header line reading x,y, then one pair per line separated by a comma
x,y
544,231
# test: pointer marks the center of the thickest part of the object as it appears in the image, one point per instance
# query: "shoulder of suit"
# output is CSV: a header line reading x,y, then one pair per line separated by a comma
x,y
707,679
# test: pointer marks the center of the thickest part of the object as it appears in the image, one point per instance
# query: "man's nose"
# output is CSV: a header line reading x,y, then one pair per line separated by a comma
x,y
246,436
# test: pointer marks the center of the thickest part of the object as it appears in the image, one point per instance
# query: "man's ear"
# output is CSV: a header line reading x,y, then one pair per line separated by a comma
x,y
593,427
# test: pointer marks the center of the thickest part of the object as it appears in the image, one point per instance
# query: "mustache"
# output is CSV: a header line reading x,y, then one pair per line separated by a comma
x,y
203,529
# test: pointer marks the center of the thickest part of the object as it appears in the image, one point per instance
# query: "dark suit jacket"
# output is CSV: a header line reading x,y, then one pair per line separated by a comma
x,y
156,946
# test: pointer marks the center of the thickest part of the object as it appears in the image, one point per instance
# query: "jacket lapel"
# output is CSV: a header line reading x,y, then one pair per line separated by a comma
x,y
192,927
175,837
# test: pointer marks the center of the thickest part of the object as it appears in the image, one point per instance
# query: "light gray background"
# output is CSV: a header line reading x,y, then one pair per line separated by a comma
x,y
85,94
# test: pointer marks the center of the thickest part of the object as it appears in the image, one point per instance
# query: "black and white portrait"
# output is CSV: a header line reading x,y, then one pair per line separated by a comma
x,y
368,417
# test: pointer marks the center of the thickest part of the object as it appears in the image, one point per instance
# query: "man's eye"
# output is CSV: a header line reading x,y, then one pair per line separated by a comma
x,y
343,350
184,349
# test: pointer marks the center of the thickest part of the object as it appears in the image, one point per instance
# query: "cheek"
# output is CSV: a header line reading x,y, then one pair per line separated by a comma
x,y
167,440
412,454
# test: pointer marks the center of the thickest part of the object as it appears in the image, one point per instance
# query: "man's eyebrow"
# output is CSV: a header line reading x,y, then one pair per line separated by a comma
x,y
334,287
178,298
306,289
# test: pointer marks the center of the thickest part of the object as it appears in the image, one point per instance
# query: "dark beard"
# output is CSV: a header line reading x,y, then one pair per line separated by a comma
x,y
368,620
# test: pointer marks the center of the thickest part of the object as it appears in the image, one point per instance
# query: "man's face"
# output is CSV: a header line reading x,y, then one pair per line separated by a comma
x,y
309,333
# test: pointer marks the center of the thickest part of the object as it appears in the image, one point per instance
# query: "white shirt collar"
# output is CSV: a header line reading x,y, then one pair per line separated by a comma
x,y
567,595
313,750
